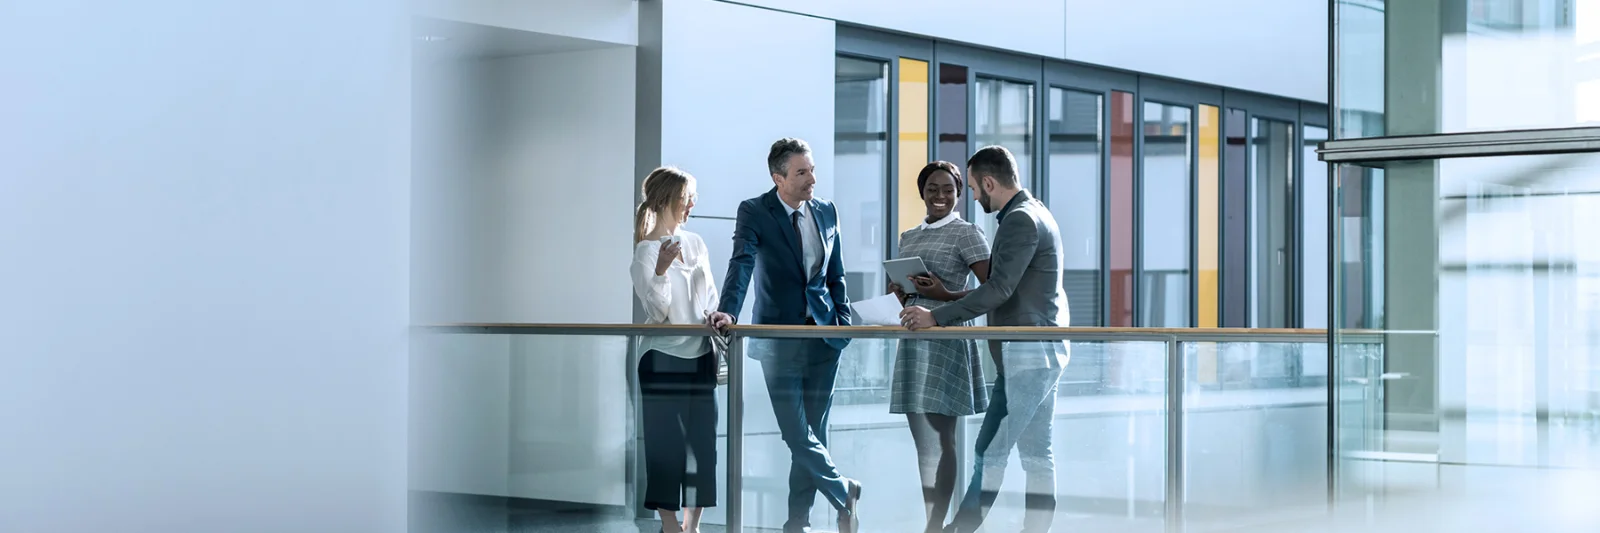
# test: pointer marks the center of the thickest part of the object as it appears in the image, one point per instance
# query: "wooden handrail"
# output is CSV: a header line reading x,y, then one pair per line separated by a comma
x,y
885,332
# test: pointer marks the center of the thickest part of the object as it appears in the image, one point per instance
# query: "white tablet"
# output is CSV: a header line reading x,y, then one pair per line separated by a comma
x,y
905,267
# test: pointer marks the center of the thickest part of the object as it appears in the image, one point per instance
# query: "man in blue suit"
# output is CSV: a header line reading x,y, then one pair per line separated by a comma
x,y
791,240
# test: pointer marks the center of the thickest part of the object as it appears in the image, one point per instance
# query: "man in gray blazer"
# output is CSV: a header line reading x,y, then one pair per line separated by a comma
x,y
1024,289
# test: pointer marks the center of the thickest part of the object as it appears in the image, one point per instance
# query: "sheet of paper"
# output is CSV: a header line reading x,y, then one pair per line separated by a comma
x,y
880,311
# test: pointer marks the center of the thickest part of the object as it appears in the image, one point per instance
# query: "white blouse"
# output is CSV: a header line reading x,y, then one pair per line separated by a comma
x,y
684,295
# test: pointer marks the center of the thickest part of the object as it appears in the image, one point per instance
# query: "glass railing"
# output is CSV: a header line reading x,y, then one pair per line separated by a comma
x,y
539,427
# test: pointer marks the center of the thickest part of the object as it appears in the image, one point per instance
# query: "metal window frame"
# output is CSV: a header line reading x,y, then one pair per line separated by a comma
x,y
1378,151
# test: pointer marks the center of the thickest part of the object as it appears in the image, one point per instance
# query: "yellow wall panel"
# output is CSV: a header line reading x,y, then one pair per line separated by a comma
x,y
913,139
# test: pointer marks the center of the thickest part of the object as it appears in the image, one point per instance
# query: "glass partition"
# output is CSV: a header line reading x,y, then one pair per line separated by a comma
x,y
554,428
1103,422
1255,421
1490,360
532,432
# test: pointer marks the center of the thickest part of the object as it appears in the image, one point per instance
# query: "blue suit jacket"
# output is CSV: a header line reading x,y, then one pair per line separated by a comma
x,y
764,243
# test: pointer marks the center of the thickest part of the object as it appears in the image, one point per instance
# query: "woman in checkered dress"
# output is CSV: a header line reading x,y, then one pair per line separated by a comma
x,y
936,382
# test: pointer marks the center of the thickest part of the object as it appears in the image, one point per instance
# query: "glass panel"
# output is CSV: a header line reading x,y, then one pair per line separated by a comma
x,y
1278,470
913,122
1076,151
1271,209
1005,117
1475,65
1236,222
1164,206
1121,219
867,370
1207,217
1106,432
861,143
1314,231
1494,361
481,412
1358,66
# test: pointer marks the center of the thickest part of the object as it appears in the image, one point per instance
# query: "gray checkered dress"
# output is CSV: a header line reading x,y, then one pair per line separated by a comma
x,y
941,376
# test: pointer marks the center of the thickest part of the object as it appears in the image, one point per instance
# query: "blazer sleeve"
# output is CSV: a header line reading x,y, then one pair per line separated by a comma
x,y
1014,245
746,241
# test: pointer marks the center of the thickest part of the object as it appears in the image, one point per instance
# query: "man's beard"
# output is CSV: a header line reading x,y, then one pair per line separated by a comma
x,y
985,201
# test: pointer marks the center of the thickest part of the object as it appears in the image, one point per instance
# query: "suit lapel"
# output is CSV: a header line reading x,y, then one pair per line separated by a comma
x,y
823,221
786,228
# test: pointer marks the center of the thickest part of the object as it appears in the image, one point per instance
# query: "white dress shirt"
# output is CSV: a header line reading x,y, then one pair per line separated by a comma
x,y
681,296
810,237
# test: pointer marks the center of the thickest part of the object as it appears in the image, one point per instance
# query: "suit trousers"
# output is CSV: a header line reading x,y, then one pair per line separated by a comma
x,y
1021,410
800,375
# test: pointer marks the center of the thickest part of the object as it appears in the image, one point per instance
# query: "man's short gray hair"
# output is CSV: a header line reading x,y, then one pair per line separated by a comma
x,y
778,158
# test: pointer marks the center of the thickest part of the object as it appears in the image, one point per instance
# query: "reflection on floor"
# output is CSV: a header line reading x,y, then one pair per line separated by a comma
x,y
1427,498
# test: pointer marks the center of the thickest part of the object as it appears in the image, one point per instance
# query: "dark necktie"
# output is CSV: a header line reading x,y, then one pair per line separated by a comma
x,y
794,219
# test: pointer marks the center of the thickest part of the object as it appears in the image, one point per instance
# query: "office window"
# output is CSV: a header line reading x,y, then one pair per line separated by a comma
x,y
1005,117
860,177
1164,293
1076,150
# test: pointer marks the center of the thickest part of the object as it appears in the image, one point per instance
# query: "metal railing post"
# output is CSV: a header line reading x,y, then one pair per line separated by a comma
x,y
1175,469
735,434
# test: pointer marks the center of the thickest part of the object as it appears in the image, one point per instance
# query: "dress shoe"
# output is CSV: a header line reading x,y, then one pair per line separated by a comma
x,y
850,519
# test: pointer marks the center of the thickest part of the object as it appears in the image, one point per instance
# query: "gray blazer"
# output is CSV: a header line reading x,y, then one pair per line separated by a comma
x,y
1024,287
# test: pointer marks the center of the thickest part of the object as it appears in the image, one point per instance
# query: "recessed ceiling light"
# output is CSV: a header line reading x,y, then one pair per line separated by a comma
x,y
433,38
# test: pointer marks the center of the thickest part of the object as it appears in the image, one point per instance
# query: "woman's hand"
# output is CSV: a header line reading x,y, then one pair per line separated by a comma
x,y
931,287
669,252
894,288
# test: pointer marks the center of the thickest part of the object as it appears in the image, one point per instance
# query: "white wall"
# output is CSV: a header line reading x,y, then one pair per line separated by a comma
x,y
523,214
1029,26
611,21
733,79
528,186
203,301
1277,47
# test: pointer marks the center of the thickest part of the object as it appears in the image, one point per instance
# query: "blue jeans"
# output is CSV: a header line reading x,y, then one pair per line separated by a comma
x,y
1021,410
800,375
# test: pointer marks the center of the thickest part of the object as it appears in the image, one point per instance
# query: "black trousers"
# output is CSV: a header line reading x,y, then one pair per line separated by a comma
x,y
680,430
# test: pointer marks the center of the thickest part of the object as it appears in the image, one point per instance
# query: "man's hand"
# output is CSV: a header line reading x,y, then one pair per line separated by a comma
x,y
916,317
894,288
719,321
931,287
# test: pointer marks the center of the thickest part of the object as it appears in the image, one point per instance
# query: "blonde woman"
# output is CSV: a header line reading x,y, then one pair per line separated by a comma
x,y
677,375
